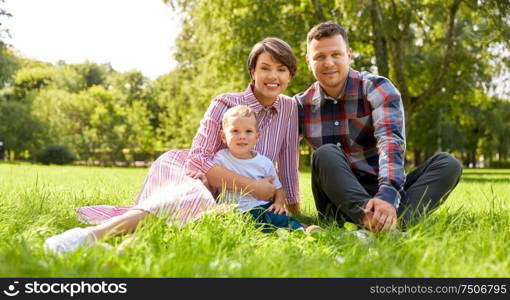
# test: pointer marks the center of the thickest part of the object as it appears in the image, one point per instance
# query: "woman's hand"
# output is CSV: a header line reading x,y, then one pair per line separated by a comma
x,y
199,175
294,209
263,189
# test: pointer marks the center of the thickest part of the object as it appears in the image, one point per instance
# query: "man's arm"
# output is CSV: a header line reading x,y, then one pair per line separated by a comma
x,y
389,130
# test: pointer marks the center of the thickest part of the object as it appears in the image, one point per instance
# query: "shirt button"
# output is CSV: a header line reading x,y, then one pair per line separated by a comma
x,y
335,102
337,123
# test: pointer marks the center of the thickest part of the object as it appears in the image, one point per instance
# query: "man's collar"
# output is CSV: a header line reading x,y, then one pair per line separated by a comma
x,y
348,84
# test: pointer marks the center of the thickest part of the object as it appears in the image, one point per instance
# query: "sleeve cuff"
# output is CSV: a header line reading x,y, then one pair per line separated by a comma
x,y
292,200
389,194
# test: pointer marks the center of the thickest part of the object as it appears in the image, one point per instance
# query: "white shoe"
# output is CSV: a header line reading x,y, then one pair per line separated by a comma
x,y
70,240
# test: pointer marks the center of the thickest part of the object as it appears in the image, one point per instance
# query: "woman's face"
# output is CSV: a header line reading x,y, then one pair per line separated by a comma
x,y
270,78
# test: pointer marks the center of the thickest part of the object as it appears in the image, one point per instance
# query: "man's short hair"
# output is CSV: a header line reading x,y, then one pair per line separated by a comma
x,y
327,29
238,111
279,50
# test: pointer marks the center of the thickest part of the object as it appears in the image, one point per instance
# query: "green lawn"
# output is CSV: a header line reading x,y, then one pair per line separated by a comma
x,y
469,236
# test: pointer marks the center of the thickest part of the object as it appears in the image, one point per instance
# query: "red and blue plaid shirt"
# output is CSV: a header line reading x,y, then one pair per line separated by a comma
x,y
367,121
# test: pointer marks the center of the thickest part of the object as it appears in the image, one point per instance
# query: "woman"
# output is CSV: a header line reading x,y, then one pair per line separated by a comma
x,y
175,185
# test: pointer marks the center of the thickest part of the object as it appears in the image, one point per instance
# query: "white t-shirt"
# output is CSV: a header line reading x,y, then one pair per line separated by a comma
x,y
256,168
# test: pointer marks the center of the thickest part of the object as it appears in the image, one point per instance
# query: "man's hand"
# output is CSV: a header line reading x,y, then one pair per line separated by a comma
x,y
263,189
379,215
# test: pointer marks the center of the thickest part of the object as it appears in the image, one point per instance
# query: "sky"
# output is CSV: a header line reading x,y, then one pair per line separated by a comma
x,y
129,34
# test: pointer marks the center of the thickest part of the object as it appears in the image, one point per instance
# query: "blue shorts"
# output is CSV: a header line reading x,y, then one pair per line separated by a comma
x,y
269,221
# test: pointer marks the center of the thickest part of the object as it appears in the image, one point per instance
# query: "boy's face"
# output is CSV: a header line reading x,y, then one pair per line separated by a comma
x,y
240,134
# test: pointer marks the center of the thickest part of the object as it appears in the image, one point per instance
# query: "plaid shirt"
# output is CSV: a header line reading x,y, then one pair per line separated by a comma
x,y
367,121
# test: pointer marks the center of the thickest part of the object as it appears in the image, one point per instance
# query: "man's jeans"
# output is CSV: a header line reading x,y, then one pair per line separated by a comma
x,y
342,193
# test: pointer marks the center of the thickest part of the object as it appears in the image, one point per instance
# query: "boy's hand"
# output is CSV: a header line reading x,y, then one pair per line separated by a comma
x,y
278,206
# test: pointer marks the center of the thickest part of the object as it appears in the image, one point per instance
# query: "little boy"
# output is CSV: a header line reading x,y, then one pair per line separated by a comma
x,y
240,134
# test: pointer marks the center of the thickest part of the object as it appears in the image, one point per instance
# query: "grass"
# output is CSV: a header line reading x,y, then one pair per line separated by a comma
x,y
468,236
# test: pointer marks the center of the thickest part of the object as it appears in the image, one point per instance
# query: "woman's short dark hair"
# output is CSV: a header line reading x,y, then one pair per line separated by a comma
x,y
327,29
279,50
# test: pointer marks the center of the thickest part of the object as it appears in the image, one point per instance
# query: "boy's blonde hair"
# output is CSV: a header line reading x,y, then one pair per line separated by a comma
x,y
238,111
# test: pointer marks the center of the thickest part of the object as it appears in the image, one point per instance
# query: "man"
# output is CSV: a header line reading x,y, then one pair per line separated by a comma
x,y
355,122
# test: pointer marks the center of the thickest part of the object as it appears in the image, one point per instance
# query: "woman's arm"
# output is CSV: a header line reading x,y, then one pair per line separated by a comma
x,y
221,177
289,160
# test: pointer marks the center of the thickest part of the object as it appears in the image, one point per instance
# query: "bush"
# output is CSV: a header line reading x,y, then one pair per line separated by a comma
x,y
55,154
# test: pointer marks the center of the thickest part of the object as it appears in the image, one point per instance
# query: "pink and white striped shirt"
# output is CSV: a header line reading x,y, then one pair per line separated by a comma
x,y
168,191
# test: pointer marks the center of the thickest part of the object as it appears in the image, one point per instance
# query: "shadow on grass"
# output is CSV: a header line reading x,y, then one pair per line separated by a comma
x,y
485,173
479,179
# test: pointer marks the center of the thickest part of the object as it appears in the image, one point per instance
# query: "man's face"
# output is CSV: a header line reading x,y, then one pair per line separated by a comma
x,y
329,59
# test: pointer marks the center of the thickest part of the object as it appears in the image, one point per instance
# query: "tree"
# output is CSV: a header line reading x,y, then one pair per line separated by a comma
x,y
429,49
92,73
132,84
21,133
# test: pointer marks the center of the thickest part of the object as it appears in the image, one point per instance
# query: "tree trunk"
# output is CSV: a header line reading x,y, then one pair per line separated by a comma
x,y
380,47
416,158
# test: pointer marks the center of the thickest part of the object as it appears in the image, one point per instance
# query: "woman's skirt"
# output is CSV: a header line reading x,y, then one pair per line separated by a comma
x,y
167,192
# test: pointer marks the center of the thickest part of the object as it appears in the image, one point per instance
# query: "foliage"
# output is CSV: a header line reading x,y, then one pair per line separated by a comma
x,y
31,79
8,65
445,57
19,130
100,114
434,51
102,126
55,154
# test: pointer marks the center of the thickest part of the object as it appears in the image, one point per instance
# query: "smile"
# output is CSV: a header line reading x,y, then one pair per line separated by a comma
x,y
272,85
